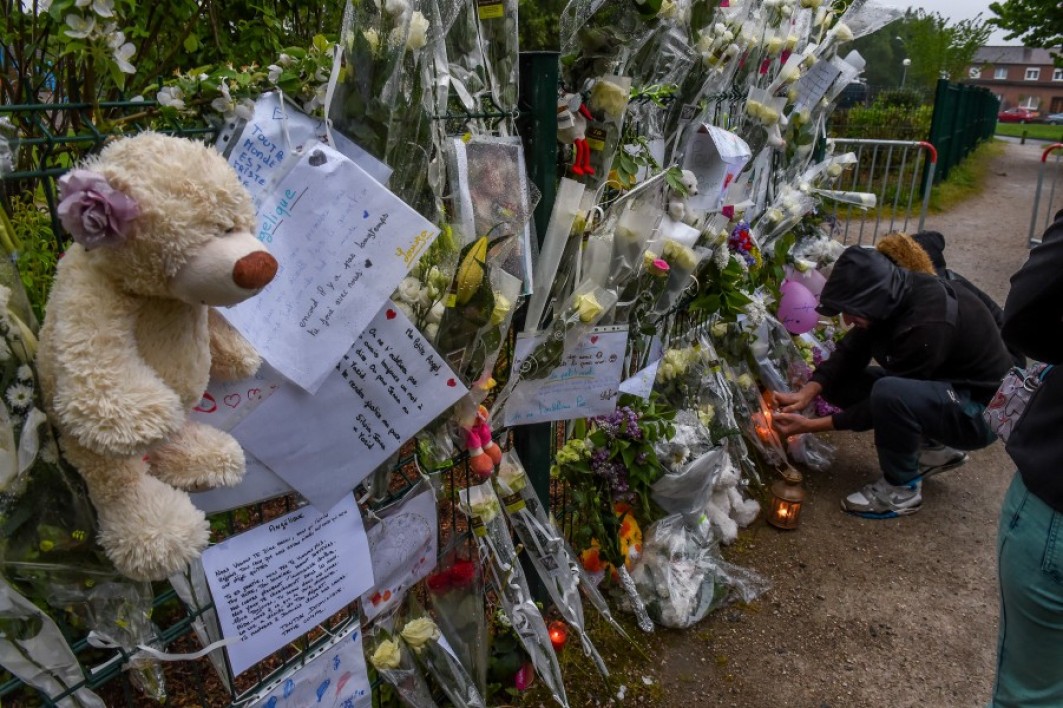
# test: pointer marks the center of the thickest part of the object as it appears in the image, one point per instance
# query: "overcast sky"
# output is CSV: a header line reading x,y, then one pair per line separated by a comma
x,y
964,9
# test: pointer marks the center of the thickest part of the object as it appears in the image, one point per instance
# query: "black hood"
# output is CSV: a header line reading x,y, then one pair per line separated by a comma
x,y
933,243
864,283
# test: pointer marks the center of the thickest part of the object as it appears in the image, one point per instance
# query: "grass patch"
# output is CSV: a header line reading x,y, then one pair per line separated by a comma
x,y
1034,131
966,179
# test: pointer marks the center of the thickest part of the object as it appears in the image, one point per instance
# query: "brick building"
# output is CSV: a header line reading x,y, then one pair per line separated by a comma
x,y
1019,76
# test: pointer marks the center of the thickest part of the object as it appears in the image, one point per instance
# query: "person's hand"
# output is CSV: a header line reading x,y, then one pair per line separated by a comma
x,y
791,424
799,400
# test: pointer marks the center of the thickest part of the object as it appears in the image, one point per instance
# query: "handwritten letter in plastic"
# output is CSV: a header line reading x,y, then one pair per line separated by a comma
x,y
586,383
387,387
343,242
275,582
337,678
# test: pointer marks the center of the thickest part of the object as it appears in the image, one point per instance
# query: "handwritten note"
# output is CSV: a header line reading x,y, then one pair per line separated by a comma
x,y
344,242
262,150
224,404
586,383
336,676
403,547
813,86
387,387
275,582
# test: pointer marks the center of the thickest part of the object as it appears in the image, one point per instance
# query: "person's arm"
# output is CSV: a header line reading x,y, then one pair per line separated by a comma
x,y
794,424
852,356
1033,313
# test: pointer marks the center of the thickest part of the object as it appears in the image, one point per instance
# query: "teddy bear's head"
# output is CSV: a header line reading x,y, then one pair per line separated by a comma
x,y
167,217
690,181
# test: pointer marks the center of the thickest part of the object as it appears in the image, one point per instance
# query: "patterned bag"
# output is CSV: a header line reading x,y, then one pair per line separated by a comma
x,y
1005,411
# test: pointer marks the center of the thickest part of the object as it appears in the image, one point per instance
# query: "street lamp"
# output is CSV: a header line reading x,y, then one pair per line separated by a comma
x,y
904,74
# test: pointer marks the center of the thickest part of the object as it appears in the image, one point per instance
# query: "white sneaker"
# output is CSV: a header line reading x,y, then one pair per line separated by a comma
x,y
939,458
882,500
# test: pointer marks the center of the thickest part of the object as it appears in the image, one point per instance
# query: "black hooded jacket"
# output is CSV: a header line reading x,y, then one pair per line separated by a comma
x,y
933,242
1033,321
921,328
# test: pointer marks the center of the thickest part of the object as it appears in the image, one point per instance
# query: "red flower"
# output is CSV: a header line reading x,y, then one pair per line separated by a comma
x,y
439,582
462,574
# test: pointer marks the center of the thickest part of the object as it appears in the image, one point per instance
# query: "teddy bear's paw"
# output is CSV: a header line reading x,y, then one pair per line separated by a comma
x,y
152,531
142,418
198,457
232,357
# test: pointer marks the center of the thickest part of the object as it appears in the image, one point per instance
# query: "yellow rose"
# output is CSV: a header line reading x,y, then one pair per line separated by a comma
x,y
502,308
587,307
388,655
418,632
609,98
745,381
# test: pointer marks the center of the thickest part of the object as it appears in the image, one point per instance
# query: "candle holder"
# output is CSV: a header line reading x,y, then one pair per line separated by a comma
x,y
787,497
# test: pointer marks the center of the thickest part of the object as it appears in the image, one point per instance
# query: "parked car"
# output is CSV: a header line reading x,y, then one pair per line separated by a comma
x,y
1017,115
1054,119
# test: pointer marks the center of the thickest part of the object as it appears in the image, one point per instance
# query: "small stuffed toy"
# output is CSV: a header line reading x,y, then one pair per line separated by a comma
x,y
678,209
163,231
572,118
484,453
727,510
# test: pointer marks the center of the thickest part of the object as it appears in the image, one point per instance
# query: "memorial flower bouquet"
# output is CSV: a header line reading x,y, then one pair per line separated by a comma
x,y
456,596
394,662
422,635
502,566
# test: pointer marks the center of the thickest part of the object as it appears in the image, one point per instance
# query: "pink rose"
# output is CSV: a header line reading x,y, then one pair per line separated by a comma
x,y
94,212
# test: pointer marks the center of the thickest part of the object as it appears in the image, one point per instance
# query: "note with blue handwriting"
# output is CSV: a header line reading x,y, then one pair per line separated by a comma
x,y
274,583
267,144
334,676
587,383
343,243
385,389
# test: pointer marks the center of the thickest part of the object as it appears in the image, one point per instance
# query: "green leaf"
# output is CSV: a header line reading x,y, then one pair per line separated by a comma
x,y
191,43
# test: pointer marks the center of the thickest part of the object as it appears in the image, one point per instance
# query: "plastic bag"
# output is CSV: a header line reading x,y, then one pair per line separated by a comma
x,y
681,576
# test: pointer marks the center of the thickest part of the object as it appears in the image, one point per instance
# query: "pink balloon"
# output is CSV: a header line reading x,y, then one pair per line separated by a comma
x,y
811,279
797,308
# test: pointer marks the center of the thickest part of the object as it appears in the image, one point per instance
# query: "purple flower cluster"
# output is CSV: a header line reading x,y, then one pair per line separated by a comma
x,y
824,409
621,423
614,472
741,242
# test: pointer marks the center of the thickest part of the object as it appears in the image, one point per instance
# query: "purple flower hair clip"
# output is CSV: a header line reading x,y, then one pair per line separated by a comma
x,y
94,212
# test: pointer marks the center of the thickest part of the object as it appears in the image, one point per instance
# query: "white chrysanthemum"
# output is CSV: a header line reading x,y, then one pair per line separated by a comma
x,y
418,36
20,397
721,257
25,373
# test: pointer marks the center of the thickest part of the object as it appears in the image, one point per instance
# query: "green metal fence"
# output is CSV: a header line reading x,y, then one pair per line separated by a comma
x,y
964,117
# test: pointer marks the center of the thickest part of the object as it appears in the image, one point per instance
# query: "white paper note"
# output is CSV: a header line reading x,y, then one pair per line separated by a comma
x,y
225,404
814,85
641,384
336,677
262,149
403,546
343,243
388,386
715,156
586,383
275,582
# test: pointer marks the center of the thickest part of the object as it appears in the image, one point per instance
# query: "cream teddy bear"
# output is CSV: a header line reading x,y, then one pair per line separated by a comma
x,y
678,208
164,231
727,510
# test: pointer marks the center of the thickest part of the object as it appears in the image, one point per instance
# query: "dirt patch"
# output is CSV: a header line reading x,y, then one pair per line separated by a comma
x,y
900,612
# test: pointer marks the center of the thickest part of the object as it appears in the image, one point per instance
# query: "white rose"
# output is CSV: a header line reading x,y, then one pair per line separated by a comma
x,y
409,290
388,655
435,315
395,7
419,632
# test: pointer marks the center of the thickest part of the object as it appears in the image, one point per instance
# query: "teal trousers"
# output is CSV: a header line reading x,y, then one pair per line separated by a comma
x,y
1030,641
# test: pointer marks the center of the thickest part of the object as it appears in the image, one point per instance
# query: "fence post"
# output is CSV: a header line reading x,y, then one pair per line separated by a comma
x,y
538,128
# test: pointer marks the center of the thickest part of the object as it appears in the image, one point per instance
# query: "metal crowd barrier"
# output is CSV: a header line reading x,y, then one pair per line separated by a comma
x,y
899,173
1048,206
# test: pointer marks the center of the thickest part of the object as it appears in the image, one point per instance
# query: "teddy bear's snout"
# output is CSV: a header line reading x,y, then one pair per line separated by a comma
x,y
255,270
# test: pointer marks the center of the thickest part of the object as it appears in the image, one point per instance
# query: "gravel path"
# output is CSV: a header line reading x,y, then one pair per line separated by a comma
x,y
876,613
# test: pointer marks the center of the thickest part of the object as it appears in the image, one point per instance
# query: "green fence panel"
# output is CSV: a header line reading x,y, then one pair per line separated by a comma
x,y
964,117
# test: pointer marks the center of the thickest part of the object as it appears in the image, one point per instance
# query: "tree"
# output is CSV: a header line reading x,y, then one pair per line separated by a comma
x,y
1038,23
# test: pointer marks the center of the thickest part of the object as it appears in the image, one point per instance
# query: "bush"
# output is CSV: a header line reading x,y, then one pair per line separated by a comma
x,y
879,122
899,98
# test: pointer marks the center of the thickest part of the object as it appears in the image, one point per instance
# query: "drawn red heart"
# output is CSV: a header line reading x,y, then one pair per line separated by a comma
x,y
232,400
390,314
452,383
207,404
594,339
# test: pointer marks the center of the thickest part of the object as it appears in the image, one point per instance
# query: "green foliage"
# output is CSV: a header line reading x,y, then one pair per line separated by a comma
x,y
35,247
899,98
880,122
1038,23
539,24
